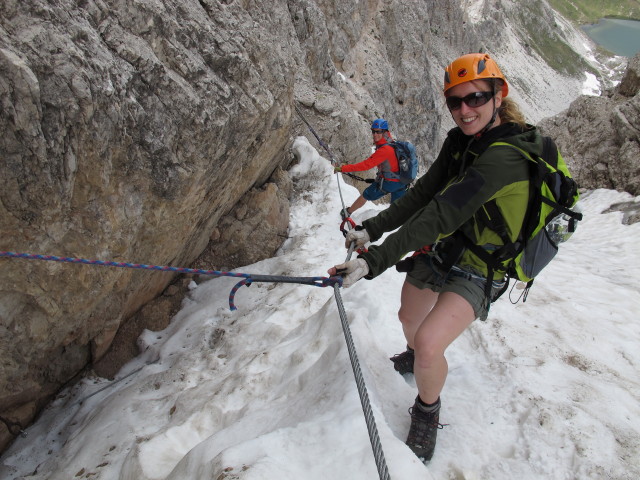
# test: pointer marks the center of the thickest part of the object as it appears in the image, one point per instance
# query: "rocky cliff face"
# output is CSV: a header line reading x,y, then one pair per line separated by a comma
x,y
157,131
130,129
600,136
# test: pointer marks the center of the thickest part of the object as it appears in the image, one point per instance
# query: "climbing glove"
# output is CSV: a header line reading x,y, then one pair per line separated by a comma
x,y
352,271
358,235
337,169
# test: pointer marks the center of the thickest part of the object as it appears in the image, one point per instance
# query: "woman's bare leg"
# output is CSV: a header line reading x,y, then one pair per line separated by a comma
x,y
415,305
449,317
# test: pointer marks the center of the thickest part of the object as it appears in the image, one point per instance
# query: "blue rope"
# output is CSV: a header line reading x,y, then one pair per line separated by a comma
x,y
248,277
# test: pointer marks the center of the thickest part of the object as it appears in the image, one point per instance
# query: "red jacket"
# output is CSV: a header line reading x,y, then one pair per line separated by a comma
x,y
384,158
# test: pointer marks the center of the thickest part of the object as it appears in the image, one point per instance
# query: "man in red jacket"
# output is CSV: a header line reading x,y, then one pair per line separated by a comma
x,y
387,179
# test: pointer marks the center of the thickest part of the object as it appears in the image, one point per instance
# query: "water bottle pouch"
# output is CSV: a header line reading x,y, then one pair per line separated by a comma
x,y
539,251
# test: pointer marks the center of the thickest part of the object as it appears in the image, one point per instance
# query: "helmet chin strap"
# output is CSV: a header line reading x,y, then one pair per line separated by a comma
x,y
493,116
491,122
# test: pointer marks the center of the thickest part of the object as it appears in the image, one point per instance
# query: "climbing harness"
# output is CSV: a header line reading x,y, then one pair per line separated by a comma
x,y
248,278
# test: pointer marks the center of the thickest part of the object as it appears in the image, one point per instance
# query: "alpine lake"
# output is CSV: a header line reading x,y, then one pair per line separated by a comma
x,y
619,36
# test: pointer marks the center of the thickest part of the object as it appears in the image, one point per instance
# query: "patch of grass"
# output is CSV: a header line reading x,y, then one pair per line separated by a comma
x,y
584,12
548,44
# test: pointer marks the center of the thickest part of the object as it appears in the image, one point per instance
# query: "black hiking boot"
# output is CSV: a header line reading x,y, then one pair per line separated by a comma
x,y
424,429
344,213
403,362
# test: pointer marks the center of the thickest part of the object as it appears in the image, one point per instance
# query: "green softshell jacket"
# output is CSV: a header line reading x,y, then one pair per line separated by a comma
x,y
467,174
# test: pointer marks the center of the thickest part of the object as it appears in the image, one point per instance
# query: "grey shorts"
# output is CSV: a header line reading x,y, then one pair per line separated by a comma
x,y
470,287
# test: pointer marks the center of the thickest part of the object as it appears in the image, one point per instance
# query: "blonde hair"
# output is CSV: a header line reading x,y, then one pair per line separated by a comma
x,y
509,111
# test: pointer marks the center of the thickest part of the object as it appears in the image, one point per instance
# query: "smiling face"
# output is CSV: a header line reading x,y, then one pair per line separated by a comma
x,y
471,120
377,135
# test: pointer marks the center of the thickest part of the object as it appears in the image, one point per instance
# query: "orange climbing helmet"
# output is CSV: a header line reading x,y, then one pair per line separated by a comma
x,y
473,66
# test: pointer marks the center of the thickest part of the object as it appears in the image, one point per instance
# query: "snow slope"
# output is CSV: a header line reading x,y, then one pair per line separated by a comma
x,y
544,389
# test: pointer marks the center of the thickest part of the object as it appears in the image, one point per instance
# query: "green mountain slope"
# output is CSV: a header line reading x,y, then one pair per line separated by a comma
x,y
589,11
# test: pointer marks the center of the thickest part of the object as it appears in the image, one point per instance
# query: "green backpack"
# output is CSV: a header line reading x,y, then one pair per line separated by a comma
x,y
551,219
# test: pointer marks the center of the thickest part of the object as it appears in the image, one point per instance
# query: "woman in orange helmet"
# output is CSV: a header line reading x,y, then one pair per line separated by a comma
x,y
447,287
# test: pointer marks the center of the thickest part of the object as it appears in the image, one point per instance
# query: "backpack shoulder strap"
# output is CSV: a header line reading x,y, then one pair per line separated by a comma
x,y
550,151
489,215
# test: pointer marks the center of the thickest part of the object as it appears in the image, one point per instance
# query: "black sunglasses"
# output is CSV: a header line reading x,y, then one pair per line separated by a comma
x,y
475,99
377,131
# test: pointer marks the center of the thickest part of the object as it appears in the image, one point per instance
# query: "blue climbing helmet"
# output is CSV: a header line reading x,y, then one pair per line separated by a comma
x,y
380,124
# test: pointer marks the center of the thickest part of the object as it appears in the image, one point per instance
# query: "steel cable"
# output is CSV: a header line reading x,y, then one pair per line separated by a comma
x,y
370,420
